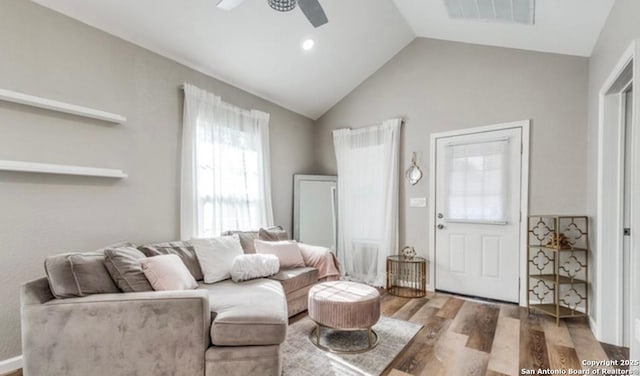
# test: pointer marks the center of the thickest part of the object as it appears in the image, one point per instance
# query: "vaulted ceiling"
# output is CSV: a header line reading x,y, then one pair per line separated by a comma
x,y
259,50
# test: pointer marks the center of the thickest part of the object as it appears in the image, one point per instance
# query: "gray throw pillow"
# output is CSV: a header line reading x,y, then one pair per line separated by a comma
x,y
125,269
273,234
182,249
60,276
90,274
61,281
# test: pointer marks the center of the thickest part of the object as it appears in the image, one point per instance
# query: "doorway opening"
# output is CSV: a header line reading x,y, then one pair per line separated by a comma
x,y
618,206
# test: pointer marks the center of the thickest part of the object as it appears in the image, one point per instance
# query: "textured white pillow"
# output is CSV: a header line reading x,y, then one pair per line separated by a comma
x,y
216,256
167,272
246,267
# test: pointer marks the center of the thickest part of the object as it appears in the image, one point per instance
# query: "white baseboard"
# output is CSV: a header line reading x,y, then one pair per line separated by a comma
x,y
594,327
11,364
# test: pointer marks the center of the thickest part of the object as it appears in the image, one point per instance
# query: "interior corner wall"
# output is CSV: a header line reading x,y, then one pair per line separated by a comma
x,y
621,28
438,86
50,55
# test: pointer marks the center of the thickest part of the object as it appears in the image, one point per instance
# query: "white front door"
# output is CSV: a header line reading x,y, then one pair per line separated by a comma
x,y
477,206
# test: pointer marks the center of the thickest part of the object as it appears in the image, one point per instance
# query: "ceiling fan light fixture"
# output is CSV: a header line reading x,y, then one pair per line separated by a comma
x,y
308,44
282,5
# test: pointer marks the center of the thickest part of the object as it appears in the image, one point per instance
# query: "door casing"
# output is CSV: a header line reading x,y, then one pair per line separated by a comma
x,y
606,317
524,195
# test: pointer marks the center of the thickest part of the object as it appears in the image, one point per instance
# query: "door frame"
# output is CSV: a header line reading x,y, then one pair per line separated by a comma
x,y
610,198
524,195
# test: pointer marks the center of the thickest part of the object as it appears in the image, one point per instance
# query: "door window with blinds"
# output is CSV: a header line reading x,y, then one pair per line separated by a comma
x,y
476,189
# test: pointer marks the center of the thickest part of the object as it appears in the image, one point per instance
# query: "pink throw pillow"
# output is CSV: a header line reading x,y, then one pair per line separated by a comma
x,y
287,252
167,272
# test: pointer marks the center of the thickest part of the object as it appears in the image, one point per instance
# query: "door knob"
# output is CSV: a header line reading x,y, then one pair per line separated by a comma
x,y
440,226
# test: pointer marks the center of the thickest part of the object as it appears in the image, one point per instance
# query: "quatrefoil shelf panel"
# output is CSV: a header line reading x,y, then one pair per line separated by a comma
x,y
557,259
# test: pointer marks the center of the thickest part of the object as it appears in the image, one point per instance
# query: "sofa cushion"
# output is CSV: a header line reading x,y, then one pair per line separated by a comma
x,y
182,249
247,313
246,267
58,270
167,272
124,267
61,281
216,256
273,234
246,239
295,279
90,274
287,252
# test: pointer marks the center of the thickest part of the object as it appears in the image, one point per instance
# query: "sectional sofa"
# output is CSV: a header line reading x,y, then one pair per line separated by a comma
x,y
225,328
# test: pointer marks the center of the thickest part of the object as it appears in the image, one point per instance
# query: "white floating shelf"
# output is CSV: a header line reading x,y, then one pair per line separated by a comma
x,y
49,104
46,168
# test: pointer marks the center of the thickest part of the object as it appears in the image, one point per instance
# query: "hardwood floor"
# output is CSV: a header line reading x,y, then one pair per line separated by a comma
x,y
468,337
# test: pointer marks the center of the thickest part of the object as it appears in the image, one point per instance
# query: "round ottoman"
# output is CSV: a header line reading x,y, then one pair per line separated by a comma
x,y
344,306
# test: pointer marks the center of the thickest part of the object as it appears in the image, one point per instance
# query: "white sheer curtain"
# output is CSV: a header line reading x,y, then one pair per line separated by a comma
x,y
225,167
368,181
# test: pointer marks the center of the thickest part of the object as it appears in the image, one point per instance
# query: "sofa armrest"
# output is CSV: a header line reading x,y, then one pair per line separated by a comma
x,y
150,333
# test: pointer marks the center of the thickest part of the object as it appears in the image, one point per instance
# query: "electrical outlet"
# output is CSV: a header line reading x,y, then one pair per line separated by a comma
x,y
637,330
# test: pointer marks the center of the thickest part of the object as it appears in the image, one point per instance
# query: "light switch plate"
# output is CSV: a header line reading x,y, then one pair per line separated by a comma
x,y
637,330
418,202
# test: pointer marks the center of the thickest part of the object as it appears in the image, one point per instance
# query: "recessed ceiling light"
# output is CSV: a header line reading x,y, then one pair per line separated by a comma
x,y
308,44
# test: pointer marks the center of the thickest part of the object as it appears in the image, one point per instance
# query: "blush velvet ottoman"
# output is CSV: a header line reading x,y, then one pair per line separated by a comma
x,y
344,306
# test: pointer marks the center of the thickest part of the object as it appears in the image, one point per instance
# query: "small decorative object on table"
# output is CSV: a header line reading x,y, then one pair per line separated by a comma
x,y
558,241
407,275
408,252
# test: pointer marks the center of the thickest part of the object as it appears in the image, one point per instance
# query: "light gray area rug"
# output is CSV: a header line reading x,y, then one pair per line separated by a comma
x,y
302,358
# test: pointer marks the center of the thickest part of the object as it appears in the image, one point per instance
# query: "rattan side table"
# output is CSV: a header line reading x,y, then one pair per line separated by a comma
x,y
407,276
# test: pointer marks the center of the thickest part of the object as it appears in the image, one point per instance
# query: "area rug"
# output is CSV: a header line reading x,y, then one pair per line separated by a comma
x,y
302,358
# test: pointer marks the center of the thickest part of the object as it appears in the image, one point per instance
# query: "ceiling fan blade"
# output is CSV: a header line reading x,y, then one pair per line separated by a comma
x,y
229,4
314,12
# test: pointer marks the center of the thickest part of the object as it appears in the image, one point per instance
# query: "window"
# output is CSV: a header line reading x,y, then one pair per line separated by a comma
x,y
226,185
229,184
476,185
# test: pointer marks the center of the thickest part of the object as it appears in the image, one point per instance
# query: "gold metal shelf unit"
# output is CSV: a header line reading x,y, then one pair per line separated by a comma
x,y
557,265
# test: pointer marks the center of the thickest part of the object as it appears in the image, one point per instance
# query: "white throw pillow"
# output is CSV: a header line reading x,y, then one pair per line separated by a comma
x,y
287,252
167,272
216,256
246,267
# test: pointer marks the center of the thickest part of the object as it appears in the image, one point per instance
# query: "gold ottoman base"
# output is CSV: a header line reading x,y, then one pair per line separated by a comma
x,y
371,335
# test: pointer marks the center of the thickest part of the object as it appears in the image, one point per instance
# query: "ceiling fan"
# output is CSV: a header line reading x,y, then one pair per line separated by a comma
x,y
311,8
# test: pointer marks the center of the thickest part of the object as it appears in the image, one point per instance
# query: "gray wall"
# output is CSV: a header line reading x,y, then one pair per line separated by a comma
x,y
49,55
621,28
439,86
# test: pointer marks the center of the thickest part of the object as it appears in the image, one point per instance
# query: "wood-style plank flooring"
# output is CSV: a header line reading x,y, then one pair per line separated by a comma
x,y
470,337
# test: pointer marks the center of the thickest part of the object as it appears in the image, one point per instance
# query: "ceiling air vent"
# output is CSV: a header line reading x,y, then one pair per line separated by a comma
x,y
503,11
